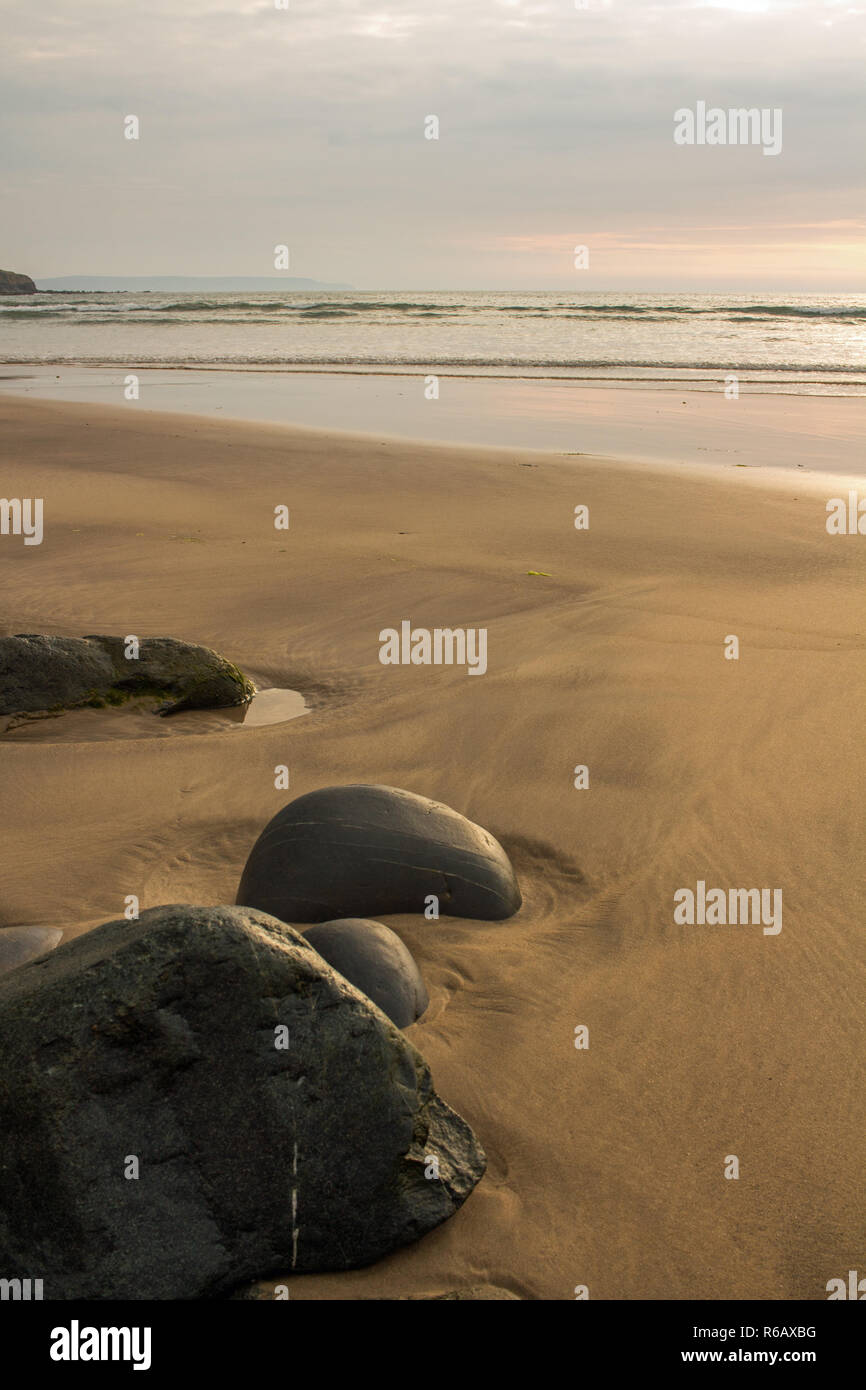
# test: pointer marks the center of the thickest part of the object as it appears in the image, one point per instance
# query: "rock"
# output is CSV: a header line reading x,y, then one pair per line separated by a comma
x,y
56,673
21,944
195,676
12,282
155,1040
39,673
375,961
367,850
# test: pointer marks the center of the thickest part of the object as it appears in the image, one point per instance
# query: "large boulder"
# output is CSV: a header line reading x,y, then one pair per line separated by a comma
x,y
56,673
361,851
375,961
13,282
158,1047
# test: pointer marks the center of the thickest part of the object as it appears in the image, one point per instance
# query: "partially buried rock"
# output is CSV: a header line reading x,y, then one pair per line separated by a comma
x,y
18,945
39,673
375,961
367,850
195,1100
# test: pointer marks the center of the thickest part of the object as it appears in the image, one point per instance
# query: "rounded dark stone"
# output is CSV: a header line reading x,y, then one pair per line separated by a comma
x,y
366,850
373,959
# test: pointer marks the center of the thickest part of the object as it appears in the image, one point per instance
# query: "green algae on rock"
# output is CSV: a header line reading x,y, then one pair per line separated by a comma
x,y
41,673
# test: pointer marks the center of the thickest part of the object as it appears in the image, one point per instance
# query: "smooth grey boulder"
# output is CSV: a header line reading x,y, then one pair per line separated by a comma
x,y
365,850
161,1041
18,945
55,673
375,961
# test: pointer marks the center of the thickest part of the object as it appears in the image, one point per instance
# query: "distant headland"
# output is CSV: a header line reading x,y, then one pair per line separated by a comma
x,y
13,283
180,284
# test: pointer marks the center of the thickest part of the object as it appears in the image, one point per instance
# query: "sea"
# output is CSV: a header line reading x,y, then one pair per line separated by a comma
x,y
643,376
799,344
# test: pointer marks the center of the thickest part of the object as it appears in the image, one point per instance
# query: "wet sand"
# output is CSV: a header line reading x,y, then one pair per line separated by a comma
x,y
688,424
606,1165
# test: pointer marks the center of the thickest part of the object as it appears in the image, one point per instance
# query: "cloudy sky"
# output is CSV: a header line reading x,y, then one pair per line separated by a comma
x,y
306,126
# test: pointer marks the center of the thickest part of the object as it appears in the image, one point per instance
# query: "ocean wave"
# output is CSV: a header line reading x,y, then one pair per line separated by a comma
x,y
366,306
607,318
799,311
458,364
226,312
746,313
182,306
8,312
294,309
150,322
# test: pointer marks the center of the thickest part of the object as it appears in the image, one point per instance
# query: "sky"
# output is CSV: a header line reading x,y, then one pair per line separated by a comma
x,y
304,126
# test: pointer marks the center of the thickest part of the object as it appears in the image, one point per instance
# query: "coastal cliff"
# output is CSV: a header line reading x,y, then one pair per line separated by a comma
x,y
13,283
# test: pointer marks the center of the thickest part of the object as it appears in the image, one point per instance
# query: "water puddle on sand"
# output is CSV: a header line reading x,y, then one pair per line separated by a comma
x,y
268,707
138,719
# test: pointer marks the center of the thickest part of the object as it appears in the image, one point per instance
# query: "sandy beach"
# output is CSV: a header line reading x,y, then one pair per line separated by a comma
x,y
606,649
